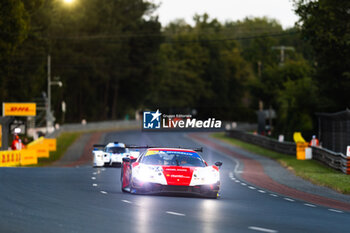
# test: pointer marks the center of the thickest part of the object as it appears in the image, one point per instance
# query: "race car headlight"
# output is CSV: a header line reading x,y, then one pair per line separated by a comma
x,y
147,173
206,176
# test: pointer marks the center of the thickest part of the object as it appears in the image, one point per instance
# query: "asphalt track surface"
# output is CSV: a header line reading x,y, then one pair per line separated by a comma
x,y
86,199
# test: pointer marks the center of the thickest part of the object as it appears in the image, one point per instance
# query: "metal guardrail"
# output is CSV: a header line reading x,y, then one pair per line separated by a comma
x,y
268,143
332,159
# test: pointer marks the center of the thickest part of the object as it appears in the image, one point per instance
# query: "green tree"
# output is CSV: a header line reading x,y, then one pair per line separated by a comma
x,y
297,102
292,92
14,23
325,24
14,20
200,70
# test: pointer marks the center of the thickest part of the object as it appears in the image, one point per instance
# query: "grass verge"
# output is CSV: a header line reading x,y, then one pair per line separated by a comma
x,y
311,170
63,142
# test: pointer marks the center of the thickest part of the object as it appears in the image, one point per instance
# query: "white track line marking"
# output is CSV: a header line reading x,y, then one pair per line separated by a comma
x,y
261,191
103,192
93,178
251,187
309,205
237,181
94,173
243,184
337,211
274,195
175,213
230,175
94,185
288,199
262,229
126,201
103,169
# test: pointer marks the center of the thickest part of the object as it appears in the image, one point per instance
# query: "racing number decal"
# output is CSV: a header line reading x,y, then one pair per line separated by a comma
x,y
152,152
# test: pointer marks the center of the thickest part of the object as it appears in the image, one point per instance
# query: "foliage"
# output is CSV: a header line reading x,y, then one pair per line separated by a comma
x,y
200,74
113,58
95,48
325,25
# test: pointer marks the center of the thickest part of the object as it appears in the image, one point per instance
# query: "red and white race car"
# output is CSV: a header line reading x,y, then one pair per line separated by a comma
x,y
170,170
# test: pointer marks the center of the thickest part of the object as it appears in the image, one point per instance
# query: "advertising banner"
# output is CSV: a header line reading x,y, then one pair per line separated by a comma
x,y
18,109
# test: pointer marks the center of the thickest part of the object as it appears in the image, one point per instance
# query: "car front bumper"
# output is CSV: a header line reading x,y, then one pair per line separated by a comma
x,y
154,188
117,158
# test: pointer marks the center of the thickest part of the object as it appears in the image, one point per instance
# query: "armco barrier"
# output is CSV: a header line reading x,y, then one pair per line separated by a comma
x,y
268,143
332,159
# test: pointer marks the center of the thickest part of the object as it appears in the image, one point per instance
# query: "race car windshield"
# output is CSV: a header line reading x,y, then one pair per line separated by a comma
x,y
171,158
116,150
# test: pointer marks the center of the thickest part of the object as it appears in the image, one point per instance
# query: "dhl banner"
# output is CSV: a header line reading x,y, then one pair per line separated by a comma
x,y
10,158
17,158
50,143
36,149
40,147
18,109
43,146
28,157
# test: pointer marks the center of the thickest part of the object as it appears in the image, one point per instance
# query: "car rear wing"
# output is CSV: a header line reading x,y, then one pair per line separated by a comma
x,y
199,149
139,147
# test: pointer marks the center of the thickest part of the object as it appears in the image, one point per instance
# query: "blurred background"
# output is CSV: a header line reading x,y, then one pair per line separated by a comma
x,y
112,59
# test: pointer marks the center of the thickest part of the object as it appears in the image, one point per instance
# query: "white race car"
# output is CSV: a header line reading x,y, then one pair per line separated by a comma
x,y
110,154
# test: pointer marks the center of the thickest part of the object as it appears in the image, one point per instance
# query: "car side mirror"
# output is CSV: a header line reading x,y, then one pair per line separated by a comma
x,y
218,164
126,160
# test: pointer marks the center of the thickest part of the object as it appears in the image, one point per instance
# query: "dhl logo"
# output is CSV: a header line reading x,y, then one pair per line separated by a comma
x,y
19,109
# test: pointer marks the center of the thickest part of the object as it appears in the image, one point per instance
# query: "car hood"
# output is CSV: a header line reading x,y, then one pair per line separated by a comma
x,y
177,175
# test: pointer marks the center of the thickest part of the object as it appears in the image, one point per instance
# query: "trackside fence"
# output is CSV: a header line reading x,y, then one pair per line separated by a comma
x,y
337,161
332,159
268,143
